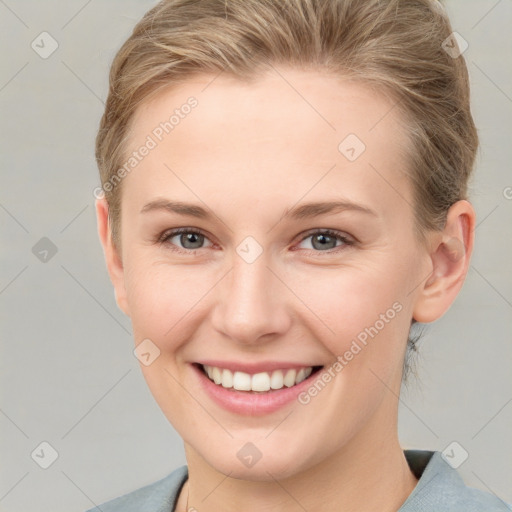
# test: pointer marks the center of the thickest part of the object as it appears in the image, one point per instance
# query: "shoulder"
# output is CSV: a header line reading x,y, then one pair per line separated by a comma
x,y
159,496
440,487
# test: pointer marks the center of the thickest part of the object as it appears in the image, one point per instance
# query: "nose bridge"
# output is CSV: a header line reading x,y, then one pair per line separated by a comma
x,y
251,304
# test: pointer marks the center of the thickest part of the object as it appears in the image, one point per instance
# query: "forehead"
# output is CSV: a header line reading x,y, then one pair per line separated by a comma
x,y
289,130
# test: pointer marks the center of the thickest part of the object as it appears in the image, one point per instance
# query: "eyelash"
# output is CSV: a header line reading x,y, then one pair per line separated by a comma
x,y
164,238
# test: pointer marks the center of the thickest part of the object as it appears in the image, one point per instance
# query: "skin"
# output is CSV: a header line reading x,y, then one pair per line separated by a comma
x,y
246,153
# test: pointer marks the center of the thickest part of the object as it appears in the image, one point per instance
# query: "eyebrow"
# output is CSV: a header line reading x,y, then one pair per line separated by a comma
x,y
303,211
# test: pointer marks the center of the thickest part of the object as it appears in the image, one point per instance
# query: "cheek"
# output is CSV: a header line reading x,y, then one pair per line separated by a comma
x,y
362,319
165,300
348,304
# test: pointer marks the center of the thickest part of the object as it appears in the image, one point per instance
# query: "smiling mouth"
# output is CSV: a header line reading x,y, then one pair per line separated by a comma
x,y
262,382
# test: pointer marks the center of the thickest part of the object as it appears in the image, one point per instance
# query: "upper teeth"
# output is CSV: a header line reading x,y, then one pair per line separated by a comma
x,y
264,381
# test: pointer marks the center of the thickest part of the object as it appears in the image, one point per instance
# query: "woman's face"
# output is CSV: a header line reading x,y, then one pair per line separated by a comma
x,y
263,287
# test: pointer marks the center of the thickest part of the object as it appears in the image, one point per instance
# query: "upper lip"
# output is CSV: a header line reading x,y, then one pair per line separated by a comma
x,y
254,367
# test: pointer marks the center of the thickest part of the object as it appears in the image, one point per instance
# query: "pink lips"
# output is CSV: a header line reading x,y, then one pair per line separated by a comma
x,y
250,403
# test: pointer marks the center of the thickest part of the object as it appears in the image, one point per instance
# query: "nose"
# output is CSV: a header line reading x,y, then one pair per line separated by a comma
x,y
251,306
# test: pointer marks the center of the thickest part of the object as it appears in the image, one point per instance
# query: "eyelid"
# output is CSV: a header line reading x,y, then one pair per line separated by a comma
x,y
342,235
171,233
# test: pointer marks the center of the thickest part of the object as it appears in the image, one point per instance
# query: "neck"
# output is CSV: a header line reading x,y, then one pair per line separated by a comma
x,y
371,473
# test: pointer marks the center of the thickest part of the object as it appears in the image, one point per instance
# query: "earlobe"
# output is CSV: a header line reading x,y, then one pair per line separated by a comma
x,y
449,257
112,257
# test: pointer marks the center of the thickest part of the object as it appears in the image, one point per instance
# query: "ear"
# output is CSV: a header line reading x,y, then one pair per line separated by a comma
x,y
112,256
450,253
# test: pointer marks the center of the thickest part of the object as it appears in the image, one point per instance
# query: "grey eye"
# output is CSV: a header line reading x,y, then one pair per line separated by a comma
x,y
190,240
323,241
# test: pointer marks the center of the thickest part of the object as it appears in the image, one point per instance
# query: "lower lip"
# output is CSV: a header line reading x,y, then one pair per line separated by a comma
x,y
247,403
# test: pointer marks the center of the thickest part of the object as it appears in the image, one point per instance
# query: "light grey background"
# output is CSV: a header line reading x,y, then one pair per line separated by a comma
x,y
68,375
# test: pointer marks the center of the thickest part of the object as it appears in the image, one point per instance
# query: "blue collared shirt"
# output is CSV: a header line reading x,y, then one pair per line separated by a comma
x,y
439,489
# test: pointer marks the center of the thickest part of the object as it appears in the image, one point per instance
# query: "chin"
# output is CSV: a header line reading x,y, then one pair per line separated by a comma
x,y
275,465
